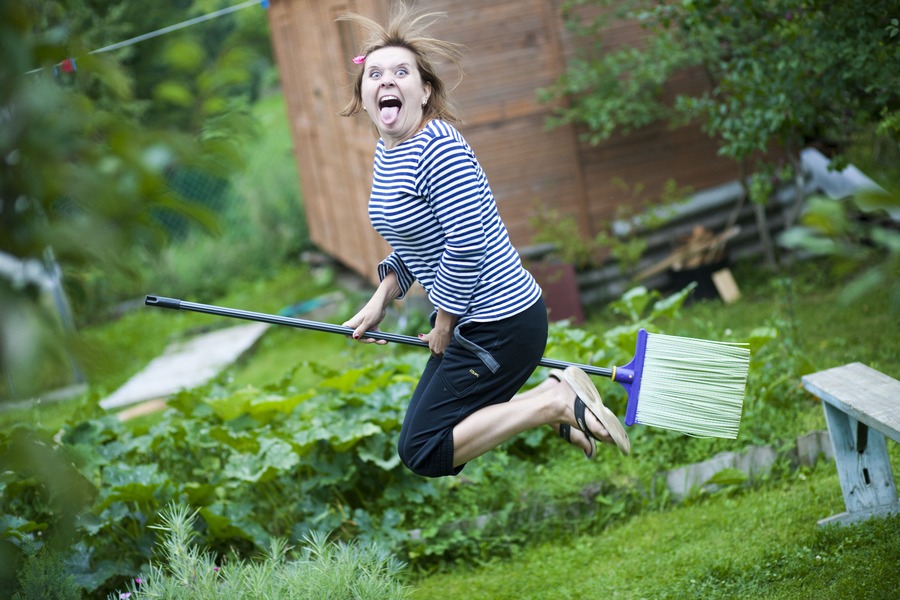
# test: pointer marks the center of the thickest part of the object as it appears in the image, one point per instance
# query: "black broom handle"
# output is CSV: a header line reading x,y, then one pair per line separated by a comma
x,y
174,303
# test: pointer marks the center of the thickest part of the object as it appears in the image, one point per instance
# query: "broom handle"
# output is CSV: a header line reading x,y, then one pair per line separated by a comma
x,y
174,303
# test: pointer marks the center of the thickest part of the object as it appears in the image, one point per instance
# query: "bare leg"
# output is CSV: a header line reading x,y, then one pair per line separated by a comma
x,y
550,403
576,437
541,388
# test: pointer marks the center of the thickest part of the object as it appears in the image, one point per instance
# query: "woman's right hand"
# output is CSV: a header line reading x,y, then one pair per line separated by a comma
x,y
365,320
372,314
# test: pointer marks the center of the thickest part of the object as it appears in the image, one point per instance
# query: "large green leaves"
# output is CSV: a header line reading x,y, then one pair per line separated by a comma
x,y
274,457
864,250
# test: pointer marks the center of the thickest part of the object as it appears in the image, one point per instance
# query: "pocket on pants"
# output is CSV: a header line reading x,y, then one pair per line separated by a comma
x,y
466,365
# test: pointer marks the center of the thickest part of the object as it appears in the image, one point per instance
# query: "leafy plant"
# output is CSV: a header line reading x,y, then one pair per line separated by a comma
x,y
277,463
861,244
260,464
322,570
44,576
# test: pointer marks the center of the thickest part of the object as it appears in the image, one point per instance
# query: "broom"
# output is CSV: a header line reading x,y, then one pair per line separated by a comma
x,y
688,385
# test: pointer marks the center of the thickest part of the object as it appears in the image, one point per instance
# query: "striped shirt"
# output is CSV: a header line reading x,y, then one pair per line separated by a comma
x,y
432,203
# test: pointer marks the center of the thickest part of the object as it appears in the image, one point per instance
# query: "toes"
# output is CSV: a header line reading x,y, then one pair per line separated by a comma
x,y
575,437
584,443
598,430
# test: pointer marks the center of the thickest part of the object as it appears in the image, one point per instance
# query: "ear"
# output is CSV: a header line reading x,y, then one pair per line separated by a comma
x,y
427,88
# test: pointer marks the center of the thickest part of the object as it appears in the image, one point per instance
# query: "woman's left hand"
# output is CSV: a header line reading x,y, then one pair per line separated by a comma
x,y
438,340
441,335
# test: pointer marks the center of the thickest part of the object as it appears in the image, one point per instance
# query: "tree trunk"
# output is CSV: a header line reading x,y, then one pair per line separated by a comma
x,y
762,223
736,211
793,213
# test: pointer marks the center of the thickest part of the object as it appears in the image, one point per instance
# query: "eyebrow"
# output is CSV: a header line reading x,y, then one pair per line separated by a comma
x,y
400,65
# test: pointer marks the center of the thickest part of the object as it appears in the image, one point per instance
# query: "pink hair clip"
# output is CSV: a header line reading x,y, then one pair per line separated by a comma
x,y
359,59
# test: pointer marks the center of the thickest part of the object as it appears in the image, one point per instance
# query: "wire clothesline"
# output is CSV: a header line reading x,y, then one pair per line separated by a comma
x,y
169,29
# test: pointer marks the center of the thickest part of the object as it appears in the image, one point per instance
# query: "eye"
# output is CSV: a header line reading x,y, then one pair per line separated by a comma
x,y
374,74
402,71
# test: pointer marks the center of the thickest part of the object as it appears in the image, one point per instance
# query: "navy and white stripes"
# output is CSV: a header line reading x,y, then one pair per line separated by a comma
x,y
432,203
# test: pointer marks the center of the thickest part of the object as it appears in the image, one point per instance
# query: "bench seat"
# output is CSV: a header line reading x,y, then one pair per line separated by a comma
x,y
862,408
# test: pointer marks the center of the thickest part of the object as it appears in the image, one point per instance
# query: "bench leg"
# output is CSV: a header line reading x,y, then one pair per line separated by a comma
x,y
863,467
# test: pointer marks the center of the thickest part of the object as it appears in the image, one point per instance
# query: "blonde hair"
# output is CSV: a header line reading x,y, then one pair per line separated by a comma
x,y
407,29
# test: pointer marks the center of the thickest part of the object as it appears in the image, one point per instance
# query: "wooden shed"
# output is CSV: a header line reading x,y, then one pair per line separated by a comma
x,y
512,49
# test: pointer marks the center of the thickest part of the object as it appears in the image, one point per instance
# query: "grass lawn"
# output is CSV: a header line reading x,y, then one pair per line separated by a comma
x,y
761,543
110,353
802,303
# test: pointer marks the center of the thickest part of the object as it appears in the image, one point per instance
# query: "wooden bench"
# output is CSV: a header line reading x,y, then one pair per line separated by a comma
x,y
862,406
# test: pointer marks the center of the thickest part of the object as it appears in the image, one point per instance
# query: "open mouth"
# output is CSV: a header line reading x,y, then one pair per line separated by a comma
x,y
390,108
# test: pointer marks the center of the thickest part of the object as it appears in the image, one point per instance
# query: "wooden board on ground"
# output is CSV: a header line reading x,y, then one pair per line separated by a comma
x,y
726,286
186,364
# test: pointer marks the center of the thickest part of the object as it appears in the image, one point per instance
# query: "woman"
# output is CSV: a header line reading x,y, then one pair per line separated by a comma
x,y
431,201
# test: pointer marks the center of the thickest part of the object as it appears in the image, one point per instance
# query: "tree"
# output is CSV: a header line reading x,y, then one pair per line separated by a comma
x,y
782,74
183,75
82,178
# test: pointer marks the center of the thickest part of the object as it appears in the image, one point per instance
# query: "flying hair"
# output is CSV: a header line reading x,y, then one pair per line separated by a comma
x,y
407,28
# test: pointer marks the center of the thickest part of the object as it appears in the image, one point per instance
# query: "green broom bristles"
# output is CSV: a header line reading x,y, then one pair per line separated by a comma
x,y
693,386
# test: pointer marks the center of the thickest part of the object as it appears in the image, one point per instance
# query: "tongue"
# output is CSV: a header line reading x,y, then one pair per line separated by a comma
x,y
389,114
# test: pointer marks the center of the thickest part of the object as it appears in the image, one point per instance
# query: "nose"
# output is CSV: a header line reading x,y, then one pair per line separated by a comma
x,y
387,80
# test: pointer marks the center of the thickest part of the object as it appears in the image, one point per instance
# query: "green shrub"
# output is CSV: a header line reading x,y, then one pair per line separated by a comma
x,y
260,225
44,576
860,240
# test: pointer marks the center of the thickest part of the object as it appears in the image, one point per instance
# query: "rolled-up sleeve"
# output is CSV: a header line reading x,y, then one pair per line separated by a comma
x,y
404,277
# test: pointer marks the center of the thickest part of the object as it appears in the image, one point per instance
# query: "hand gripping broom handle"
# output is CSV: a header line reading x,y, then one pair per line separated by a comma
x,y
623,374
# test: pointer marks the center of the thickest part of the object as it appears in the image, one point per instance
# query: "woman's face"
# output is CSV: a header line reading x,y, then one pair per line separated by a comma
x,y
393,93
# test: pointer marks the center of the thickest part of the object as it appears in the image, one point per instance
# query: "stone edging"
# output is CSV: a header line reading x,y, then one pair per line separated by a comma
x,y
754,462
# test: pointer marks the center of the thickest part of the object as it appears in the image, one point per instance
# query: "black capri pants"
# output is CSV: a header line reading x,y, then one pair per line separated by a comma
x,y
485,364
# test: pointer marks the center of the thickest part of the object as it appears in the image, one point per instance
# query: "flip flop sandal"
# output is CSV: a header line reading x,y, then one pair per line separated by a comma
x,y
587,396
565,432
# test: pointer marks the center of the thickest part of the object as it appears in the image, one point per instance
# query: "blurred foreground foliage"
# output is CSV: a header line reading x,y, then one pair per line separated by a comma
x,y
90,172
